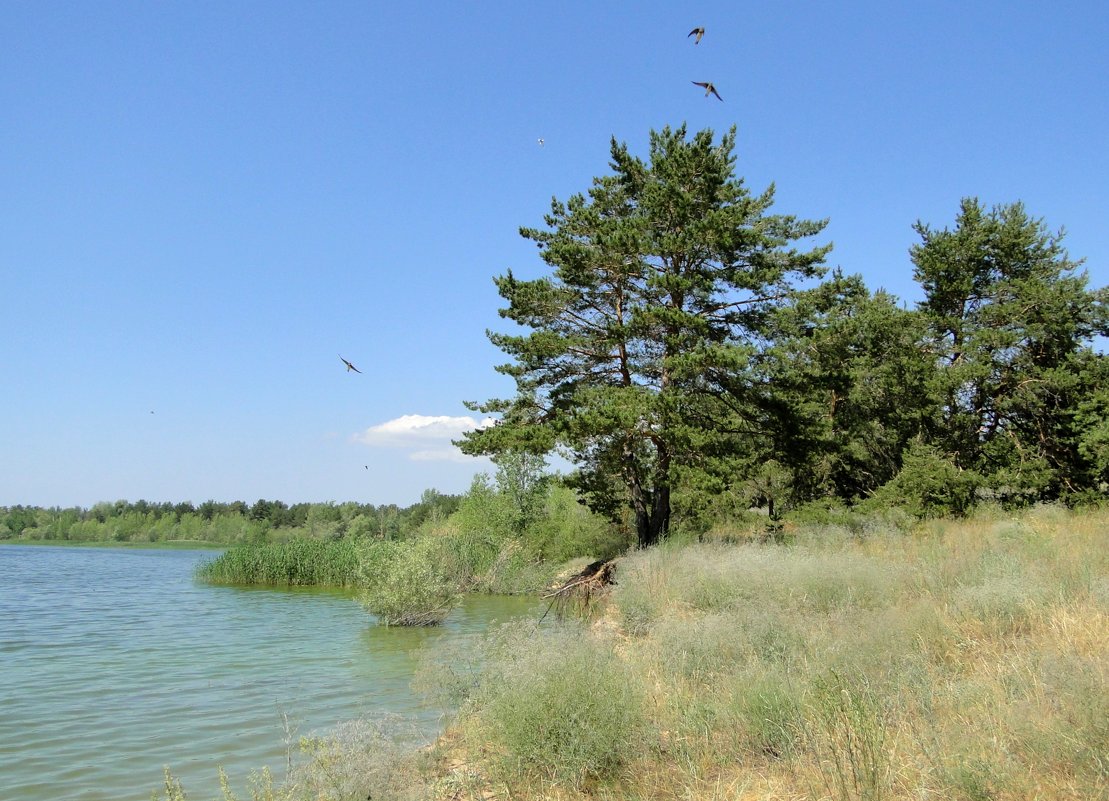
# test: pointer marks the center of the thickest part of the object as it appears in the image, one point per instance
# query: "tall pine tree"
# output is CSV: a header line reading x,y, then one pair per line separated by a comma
x,y
661,277
1012,322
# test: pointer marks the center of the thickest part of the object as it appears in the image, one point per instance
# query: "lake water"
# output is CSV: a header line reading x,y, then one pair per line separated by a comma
x,y
115,663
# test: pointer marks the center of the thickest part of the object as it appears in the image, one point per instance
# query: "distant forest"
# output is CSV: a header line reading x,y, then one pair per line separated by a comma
x,y
223,523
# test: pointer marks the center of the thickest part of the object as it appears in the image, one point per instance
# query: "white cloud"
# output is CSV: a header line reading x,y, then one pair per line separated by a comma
x,y
430,435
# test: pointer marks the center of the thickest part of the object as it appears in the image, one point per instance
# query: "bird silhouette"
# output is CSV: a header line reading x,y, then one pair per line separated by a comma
x,y
541,142
709,88
350,366
699,31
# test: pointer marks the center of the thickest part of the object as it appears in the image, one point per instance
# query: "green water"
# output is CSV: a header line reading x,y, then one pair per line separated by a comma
x,y
116,662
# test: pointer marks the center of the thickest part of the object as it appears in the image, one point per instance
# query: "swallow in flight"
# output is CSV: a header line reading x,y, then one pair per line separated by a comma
x,y
350,366
709,88
699,31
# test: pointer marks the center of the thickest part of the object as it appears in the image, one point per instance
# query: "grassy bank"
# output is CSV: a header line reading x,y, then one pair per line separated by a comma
x,y
944,660
486,545
965,660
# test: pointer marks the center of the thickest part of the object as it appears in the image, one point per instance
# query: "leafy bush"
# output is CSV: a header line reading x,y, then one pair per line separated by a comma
x,y
928,485
402,585
566,529
463,552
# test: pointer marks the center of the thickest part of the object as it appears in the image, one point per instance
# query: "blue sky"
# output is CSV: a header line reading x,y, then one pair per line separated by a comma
x,y
203,204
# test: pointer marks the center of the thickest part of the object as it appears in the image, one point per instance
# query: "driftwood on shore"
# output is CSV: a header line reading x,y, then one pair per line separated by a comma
x,y
579,593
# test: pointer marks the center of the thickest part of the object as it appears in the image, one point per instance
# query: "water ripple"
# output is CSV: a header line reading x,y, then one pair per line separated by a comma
x,y
115,663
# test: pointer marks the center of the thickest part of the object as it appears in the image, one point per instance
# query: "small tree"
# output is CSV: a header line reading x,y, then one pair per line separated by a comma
x,y
928,485
521,477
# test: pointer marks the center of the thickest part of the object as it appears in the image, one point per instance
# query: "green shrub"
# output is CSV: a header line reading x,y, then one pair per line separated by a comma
x,y
562,707
565,530
516,570
461,552
402,585
928,485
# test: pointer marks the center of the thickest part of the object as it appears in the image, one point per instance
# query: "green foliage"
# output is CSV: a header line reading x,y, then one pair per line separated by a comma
x,y
928,485
222,523
402,584
521,479
1092,421
844,387
566,529
481,548
1012,321
661,278
298,562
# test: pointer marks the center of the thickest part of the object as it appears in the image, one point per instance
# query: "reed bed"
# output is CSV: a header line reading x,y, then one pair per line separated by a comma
x,y
297,562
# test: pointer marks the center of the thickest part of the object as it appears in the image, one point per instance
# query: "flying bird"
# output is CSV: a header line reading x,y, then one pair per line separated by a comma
x,y
350,366
541,142
699,31
709,88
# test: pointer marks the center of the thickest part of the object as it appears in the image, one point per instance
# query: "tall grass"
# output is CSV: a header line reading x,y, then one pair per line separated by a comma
x,y
552,705
965,660
298,562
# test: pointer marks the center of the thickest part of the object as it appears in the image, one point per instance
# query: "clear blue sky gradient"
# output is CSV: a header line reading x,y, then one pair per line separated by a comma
x,y
204,204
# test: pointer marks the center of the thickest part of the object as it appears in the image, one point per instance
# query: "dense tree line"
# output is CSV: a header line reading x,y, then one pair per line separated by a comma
x,y
220,522
689,357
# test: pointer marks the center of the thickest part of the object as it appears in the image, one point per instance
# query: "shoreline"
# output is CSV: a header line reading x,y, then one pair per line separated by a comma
x,y
166,545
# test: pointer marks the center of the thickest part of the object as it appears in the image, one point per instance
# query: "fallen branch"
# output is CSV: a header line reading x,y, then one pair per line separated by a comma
x,y
584,586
